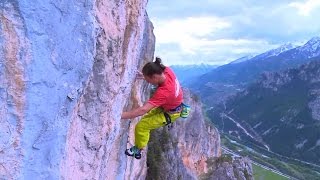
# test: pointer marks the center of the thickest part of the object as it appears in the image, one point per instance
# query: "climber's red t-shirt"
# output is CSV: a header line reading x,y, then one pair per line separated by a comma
x,y
169,94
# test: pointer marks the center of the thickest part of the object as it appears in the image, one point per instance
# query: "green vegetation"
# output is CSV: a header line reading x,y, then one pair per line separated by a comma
x,y
260,173
158,144
280,163
163,161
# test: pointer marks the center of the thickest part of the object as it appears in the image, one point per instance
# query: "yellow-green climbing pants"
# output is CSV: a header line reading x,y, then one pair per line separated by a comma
x,y
152,120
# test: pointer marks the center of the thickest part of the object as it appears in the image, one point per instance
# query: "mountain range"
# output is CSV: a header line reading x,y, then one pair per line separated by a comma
x,y
271,103
281,112
217,85
187,73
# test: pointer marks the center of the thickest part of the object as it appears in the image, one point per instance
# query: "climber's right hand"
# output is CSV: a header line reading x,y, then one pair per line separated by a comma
x,y
139,75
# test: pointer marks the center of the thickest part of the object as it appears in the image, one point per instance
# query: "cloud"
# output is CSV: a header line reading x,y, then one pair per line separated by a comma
x,y
190,33
220,51
177,30
218,32
168,9
196,39
306,7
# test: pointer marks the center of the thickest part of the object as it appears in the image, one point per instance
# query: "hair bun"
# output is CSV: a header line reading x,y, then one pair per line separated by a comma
x,y
158,61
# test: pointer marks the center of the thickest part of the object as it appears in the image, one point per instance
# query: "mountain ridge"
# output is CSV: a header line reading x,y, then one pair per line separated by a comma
x,y
215,86
187,73
278,108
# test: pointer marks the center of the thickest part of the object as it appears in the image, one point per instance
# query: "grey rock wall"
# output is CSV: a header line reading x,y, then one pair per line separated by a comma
x,y
198,140
236,169
66,71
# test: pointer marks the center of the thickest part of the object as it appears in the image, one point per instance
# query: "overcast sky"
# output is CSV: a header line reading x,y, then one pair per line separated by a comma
x,y
217,32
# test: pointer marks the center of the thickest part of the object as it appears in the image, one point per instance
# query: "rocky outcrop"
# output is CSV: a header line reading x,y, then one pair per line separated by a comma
x,y
227,168
182,152
66,72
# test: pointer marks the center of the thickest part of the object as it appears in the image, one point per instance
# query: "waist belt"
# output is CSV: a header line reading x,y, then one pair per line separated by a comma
x,y
168,118
171,111
175,110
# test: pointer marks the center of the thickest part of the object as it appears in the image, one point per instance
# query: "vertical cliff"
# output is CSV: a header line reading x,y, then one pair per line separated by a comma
x,y
66,72
182,151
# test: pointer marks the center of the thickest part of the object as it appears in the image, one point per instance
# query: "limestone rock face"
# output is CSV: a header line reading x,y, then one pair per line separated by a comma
x,y
236,169
198,141
66,72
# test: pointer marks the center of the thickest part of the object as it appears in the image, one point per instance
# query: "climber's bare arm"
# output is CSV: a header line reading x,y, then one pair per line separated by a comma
x,y
137,112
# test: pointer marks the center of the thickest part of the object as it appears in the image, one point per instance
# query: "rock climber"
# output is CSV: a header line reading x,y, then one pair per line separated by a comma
x,y
163,108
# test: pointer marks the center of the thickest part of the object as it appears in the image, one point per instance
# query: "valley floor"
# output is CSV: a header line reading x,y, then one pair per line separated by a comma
x,y
283,167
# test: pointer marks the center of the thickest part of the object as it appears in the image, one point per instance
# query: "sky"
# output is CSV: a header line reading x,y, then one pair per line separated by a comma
x,y
218,32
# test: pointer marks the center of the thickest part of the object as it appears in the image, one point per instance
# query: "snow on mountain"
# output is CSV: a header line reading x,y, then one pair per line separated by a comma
x,y
275,52
311,48
242,59
272,52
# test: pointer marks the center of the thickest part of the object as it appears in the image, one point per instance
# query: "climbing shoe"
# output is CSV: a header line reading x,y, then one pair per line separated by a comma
x,y
133,151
